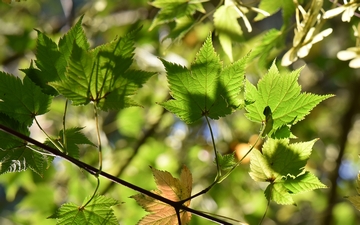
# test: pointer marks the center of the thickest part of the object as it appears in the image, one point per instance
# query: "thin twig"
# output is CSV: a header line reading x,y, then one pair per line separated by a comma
x,y
218,174
64,127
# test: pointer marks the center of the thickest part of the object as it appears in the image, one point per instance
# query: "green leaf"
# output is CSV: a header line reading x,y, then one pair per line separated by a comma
x,y
206,89
98,211
270,6
80,75
51,59
226,161
281,93
102,75
270,40
8,141
22,101
302,183
181,26
15,154
74,138
172,9
283,159
279,194
282,164
75,34
227,27
41,79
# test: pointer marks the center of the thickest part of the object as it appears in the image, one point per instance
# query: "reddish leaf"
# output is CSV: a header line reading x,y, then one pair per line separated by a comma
x,y
171,188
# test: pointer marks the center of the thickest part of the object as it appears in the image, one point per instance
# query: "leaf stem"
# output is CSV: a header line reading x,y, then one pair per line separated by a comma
x,y
98,136
56,144
96,189
215,151
199,193
64,128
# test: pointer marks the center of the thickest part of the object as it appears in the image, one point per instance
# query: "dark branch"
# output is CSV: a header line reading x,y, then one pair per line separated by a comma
x,y
92,170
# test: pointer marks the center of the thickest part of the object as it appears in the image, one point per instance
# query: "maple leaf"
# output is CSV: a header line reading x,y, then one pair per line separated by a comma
x,y
98,211
282,164
22,100
206,89
102,75
171,188
281,93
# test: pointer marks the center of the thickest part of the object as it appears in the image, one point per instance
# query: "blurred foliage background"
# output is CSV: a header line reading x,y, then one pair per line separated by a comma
x,y
136,138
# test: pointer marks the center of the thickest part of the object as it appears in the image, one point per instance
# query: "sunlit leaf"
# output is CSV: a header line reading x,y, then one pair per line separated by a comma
x,y
170,188
281,92
227,27
98,211
282,165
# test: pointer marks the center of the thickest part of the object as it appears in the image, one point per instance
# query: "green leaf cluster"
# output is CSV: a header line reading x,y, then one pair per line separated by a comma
x,y
277,104
206,89
282,165
20,102
101,75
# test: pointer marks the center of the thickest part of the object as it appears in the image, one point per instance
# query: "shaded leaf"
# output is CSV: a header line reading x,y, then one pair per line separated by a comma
x,y
74,138
206,89
22,100
102,75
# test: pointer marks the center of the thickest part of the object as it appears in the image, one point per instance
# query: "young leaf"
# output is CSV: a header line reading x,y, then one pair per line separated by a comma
x,y
206,89
75,34
226,161
22,101
270,41
281,93
98,211
288,8
282,164
51,59
102,75
172,9
227,27
170,188
73,138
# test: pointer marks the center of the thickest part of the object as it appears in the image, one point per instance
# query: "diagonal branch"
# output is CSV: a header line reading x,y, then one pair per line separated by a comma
x,y
94,171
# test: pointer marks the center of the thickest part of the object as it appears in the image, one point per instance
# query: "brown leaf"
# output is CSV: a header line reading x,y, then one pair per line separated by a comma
x,y
172,189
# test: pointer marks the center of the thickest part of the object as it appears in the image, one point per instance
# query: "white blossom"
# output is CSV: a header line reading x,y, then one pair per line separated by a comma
x,y
347,9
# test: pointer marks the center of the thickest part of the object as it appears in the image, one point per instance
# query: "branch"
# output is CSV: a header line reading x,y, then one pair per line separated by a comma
x,y
138,144
92,170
